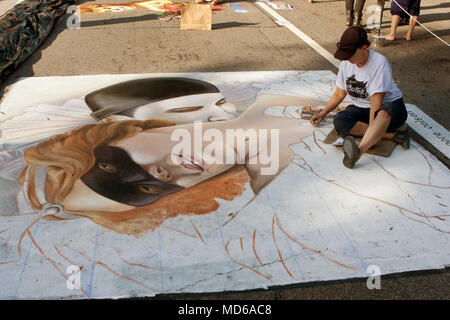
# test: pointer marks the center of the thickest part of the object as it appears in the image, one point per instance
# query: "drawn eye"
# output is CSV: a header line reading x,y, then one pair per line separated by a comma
x,y
149,189
185,109
108,167
221,102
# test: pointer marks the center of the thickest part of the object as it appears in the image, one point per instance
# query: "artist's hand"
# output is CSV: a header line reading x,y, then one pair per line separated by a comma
x,y
317,118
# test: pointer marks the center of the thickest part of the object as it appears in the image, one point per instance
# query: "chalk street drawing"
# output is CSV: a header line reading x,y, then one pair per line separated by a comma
x,y
90,185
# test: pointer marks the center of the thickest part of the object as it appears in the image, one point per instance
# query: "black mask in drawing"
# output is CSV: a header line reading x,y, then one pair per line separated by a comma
x,y
355,88
117,177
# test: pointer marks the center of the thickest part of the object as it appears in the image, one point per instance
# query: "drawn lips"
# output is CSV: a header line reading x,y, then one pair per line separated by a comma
x,y
188,162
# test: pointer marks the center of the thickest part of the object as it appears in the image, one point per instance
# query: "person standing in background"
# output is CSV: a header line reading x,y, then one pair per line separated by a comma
x,y
410,6
354,12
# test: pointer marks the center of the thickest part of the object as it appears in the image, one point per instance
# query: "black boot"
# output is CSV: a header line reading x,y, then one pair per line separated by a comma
x,y
349,18
357,19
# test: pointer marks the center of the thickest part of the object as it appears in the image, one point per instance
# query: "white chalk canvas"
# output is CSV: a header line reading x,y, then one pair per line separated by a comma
x,y
312,220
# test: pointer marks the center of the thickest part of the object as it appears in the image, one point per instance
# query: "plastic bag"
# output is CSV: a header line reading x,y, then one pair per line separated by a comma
x,y
24,28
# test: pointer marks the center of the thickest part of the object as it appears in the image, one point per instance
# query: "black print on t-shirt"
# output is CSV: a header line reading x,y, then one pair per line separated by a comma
x,y
355,88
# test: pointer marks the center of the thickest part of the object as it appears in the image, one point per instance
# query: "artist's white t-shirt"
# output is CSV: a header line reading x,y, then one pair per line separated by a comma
x,y
362,83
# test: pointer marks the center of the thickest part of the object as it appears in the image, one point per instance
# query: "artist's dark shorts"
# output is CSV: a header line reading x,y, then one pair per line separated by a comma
x,y
346,119
411,6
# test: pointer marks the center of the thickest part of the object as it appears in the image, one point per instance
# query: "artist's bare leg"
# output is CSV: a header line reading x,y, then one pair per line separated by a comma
x,y
374,132
394,24
412,24
359,129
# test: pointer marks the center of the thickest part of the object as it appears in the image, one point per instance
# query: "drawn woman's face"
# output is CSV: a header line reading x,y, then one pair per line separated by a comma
x,y
138,171
154,152
187,109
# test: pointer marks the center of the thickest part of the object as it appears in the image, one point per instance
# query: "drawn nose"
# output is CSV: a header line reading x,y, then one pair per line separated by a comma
x,y
160,173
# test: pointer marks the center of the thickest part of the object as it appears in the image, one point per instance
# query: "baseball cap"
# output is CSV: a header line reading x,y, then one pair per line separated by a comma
x,y
352,39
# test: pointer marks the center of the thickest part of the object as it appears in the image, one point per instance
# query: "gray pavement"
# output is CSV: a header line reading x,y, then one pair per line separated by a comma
x,y
137,42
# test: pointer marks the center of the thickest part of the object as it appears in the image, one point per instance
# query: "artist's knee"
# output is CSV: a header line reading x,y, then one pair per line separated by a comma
x,y
384,116
342,124
339,121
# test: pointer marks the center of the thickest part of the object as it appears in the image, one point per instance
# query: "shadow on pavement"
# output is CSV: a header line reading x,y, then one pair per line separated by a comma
x,y
233,24
106,22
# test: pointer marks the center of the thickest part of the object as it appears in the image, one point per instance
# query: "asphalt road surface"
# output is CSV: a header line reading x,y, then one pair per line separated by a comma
x,y
137,42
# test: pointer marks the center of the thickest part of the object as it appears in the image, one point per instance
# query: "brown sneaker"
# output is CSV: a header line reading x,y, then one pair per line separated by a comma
x,y
351,152
403,127
402,138
331,137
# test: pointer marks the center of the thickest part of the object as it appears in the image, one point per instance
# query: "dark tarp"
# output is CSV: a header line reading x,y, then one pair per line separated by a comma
x,y
24,28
